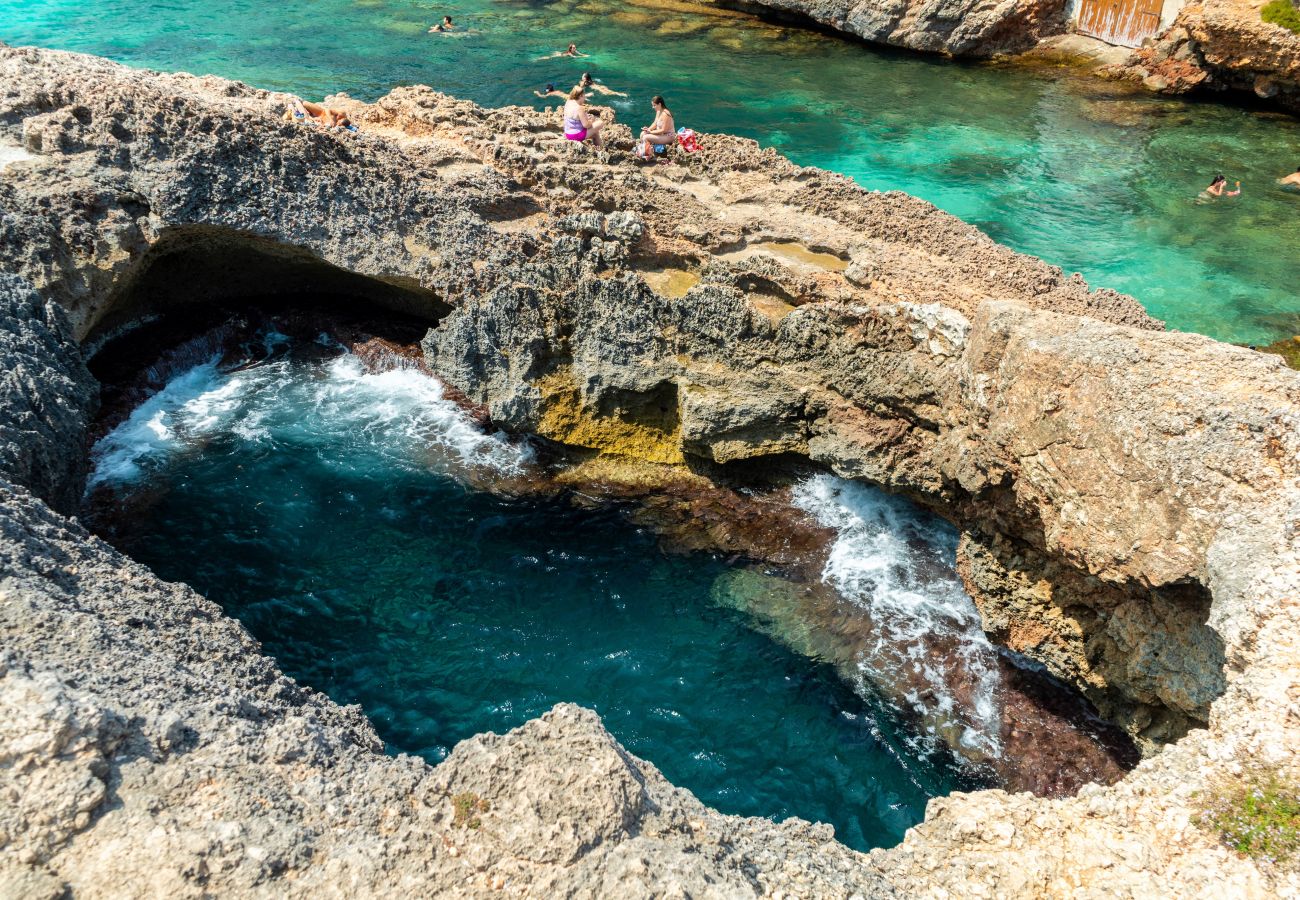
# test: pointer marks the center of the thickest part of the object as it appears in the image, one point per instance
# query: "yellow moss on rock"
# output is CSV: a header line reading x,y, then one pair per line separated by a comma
x,y
565,419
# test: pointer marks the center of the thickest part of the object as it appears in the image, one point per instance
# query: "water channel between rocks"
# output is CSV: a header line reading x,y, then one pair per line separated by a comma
x,y
341,513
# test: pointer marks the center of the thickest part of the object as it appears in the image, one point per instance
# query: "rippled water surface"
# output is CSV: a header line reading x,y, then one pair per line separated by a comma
x,y
329,510
1061,167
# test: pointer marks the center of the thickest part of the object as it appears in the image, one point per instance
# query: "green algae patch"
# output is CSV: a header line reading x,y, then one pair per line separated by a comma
x,y
1258,815
467,806
1288,349
1282,13
647,430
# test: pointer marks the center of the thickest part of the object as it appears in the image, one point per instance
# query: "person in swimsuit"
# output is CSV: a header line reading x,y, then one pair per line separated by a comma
x,y
571,50
660,133
1293,179
442,27
549,91
1218,188
579,125
590,85
303,111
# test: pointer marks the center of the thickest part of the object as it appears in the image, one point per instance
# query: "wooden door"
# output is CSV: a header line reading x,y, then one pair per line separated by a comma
x,y
1125,23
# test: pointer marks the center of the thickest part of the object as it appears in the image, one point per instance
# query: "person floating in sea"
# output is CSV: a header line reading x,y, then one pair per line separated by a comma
x,y
662,132
1292,180
1218,188
591,85
549,91
571,50
443,27
580,125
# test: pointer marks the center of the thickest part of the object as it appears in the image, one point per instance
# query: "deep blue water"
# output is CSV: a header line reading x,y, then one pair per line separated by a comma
x,y
331,511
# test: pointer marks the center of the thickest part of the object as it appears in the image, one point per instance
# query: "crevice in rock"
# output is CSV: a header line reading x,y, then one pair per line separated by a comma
x,y
194,266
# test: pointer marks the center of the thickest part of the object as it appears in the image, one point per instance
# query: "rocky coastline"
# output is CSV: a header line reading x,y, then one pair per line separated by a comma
x,y
1220,49
1127,497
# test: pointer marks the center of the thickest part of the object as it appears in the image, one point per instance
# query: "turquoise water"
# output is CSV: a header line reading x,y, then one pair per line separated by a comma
x,y
330,510
1095,181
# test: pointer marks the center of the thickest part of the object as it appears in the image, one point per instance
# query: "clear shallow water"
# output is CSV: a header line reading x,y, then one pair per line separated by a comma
x,y
328,509
1056,166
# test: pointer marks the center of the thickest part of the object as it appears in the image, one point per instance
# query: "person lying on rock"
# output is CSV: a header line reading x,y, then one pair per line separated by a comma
x,y
1218,188
662,132
591,85
305,111
579,124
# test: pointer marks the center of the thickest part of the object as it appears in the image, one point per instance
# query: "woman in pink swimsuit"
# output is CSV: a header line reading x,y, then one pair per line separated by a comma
x,y
579,125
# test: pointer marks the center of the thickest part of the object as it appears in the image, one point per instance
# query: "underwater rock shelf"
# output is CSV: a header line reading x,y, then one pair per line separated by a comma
x,y
1124,496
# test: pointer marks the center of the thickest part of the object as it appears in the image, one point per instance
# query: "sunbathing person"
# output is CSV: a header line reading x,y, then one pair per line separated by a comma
x,y
579,125
662,132
591,85
305,111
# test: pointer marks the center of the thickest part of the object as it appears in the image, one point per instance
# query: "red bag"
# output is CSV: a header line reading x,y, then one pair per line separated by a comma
x,y
686,140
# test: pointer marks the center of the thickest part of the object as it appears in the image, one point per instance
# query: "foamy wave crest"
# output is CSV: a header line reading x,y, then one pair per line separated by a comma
x,y
929,653
400,414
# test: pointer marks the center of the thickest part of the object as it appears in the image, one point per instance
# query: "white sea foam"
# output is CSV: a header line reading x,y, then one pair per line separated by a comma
x,y
929,649
400,413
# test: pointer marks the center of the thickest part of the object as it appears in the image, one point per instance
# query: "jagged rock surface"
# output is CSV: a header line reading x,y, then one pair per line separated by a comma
x,y
978,28
1091,459
1221,45
48,396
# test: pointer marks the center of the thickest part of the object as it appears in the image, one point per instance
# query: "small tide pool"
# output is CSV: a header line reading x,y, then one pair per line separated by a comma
x,y
1085,174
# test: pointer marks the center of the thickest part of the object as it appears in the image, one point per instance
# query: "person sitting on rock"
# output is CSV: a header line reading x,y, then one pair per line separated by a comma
x,y
304,111
579,124
589,84
1218,188
662,132
1292,180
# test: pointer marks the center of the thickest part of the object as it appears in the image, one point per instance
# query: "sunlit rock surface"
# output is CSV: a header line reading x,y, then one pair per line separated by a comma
x,y
1112,483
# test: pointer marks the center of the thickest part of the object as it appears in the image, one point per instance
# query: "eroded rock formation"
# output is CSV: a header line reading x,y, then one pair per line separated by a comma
x,y
1127,497
976,28
1221,46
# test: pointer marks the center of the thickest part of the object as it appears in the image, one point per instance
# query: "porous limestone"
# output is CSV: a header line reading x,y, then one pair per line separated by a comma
x,y
1128,498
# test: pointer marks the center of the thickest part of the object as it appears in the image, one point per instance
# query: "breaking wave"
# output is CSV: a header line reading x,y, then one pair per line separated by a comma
x,y
929,654
401,414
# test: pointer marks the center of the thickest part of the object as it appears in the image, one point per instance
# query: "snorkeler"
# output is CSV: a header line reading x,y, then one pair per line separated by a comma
x,y
590,85
442,27
1218,188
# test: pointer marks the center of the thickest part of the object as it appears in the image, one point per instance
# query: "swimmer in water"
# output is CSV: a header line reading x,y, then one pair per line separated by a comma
x,y
442,27
1218,188
571,50
550,91
1292,180
591,85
